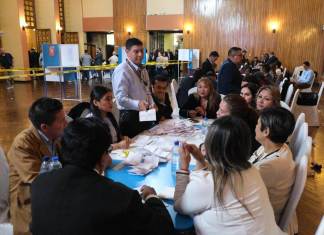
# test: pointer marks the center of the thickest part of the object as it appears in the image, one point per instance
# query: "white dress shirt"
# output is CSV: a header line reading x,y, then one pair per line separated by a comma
x,y
129,89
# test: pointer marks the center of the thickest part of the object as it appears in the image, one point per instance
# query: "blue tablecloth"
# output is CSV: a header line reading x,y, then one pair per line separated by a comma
x,y
159,178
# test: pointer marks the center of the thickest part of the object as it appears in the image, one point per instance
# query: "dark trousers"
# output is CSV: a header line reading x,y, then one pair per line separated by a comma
x,y
130,125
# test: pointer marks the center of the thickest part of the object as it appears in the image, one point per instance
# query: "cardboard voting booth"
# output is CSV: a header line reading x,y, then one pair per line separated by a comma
x,y
191,56
59,58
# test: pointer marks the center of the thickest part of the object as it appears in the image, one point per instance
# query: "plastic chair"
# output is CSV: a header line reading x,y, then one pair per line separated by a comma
x,y
304,149
295,195
174,101
289,94
192,90
281,84
320,229
301,137
284,105
299,122
311,112
6,229
294,100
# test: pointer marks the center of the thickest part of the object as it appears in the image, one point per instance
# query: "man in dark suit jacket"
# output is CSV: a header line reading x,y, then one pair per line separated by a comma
x,y
273,60
209,64
160,95
229,78
79,200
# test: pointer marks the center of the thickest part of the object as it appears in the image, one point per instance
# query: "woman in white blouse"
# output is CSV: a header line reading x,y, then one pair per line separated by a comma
x,y
101,105
225,194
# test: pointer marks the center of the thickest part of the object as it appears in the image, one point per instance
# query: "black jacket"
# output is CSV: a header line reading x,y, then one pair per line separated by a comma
x,y
194,101
229,79
207,67
164,110
75,201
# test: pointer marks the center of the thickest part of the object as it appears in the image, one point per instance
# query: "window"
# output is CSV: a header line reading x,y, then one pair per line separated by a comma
x,y
30,18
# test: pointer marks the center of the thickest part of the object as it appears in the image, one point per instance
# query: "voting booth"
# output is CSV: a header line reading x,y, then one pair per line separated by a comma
x,y
188,55
59,59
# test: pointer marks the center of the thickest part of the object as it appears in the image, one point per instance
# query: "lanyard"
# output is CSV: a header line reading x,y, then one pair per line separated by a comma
x,y
261,158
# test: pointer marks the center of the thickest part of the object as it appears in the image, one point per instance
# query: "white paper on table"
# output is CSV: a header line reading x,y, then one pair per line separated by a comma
x,y
134,158
166,193
146,116
141,140
150,148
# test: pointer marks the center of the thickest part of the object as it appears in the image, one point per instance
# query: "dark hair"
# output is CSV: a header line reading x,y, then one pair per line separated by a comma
x,y
84,141
228,144
160,77
306,63
43,111
133,42
253,89
275,93
266,68
280,121
197,74
213,102
96,94
233,51
239,108
214,53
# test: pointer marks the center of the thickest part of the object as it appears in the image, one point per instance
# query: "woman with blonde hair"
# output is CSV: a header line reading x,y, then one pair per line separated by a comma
x,y
225,194
204,103
267,97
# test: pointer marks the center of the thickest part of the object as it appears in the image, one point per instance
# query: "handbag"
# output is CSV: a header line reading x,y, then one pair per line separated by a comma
x,y
307,98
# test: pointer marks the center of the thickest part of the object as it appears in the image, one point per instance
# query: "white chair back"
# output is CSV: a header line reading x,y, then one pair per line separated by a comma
x,y
281,84
192,90
6,229
289,94
320,92
284,72
297,143
294,101
320,229
296,192
174,101
284,105
304,149
299,122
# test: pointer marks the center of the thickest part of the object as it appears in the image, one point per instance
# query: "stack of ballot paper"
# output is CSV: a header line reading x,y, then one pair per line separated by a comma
x,y
140,164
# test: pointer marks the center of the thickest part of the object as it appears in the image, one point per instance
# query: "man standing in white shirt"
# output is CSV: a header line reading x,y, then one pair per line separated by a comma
x,y
130,83
113,59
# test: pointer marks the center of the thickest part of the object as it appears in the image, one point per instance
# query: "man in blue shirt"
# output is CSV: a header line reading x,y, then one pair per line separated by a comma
x,y
305,80
229,78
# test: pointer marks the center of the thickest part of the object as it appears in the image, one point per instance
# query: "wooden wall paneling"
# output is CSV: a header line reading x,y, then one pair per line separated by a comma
x,y
218,25
129,13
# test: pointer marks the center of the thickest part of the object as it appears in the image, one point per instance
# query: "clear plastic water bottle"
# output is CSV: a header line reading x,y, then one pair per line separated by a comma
x,y
55,164
175,157
45,165
204,125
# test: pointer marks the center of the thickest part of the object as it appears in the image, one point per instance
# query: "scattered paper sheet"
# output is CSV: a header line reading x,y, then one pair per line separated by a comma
x,y
146,116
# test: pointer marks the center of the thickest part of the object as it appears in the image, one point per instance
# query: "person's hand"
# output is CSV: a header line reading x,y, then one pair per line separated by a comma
x,y
143,105
154,106
124,144
192,113
184,160
200,111
196,153
147,191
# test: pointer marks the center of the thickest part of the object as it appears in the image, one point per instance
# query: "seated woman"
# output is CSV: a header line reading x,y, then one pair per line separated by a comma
x,y
101,105
225,194
204,103
235,105
78,199
267,97
274,159
248,92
